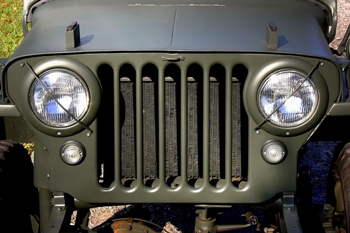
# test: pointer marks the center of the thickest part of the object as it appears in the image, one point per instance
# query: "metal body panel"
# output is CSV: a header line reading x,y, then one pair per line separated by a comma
x,y
9,111
52,172
18,130
164,26
260,187
340,109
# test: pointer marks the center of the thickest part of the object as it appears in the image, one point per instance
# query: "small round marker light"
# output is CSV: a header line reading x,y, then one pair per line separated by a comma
x,y
274,151
72,152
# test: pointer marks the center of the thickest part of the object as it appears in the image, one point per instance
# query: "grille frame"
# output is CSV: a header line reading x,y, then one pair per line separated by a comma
x,y
201,141
265,180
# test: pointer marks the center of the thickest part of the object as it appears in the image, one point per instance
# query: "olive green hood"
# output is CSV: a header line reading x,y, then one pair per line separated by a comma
x,y
197,26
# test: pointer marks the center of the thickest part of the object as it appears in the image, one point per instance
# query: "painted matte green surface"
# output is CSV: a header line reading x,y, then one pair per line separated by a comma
x,y
232,33
231,25
262,177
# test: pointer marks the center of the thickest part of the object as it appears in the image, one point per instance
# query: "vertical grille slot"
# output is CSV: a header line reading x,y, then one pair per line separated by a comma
x,y
194,111
240,119
236,129
217,121
150,121
172,111
171,128
193,134
127,76
105,124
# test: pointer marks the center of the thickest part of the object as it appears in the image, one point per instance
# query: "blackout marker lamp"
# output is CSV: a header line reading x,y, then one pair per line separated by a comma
x,y
274,151
72,152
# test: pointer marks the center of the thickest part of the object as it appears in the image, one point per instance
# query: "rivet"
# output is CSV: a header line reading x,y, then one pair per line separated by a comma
x,y
257,132
22,64
287,133
58,133
44,148
88,134
321,63
48,175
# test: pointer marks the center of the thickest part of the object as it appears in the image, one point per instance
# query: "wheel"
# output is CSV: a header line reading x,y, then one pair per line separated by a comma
x,y
342,188
18,196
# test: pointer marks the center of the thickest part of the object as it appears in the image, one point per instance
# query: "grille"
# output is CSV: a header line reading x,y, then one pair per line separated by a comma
x,y
174,123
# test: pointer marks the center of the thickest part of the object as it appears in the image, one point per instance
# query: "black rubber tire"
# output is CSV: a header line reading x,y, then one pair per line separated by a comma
x,y
18,196
342,174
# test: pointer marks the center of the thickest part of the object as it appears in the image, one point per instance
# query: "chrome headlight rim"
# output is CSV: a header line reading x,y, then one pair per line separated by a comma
x,y
253,84
307,81
67,72
74,67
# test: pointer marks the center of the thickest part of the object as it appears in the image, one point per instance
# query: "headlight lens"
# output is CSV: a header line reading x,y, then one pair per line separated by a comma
x,y
66,89
278,88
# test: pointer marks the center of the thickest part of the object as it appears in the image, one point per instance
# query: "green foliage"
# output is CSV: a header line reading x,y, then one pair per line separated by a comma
x,y
11,34
10,26
29,147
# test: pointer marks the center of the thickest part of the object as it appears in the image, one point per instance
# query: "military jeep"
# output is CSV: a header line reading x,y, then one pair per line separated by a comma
x,y
208,103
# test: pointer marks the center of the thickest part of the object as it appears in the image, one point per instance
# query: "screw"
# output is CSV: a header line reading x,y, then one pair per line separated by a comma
x,y
60,209
338,214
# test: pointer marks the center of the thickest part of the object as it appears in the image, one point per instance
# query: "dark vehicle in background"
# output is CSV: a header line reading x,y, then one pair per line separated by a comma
x,y
207,103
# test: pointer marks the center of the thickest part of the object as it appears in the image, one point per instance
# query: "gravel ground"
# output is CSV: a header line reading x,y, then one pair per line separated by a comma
x,y
343,21
177,218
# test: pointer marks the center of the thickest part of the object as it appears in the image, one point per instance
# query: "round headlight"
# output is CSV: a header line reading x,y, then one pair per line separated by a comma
x,y
290,98
57,89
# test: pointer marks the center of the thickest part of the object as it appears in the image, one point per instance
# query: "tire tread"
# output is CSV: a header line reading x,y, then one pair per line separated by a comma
x,y
342,174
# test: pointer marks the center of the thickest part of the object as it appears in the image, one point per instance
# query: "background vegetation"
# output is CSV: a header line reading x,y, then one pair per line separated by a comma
x,y
10,26
11,34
